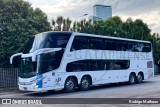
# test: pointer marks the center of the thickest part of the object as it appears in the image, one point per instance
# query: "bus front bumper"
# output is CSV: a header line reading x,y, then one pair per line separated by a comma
x,y
32,87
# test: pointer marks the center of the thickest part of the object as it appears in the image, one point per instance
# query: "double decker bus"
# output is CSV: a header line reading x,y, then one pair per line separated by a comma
x,y
67,60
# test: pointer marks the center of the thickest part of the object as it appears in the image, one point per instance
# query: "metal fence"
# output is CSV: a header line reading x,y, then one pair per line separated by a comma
x,y
8,77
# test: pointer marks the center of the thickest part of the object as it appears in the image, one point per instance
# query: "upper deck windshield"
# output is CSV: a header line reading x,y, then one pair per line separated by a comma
x,y
47,40
47,61
38,42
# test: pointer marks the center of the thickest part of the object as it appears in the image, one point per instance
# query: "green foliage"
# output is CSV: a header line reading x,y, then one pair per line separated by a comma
x,y
61,24
18,22
114,26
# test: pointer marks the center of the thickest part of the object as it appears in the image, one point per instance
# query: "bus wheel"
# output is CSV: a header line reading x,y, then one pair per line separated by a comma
x,y
132,79
85,83
139,77
70,85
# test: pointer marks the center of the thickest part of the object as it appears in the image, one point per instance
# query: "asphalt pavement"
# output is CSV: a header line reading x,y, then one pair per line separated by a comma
x,y
148,89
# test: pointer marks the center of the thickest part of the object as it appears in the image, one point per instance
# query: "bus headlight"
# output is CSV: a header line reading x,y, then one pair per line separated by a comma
x,y
35,87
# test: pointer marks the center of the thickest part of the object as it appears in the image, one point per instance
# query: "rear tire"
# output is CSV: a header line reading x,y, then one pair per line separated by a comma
x,y
132,79
139,77
70,85
85,83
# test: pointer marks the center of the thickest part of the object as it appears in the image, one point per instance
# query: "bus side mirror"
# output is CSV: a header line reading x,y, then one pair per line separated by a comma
x,y
13,56
16,61
43,51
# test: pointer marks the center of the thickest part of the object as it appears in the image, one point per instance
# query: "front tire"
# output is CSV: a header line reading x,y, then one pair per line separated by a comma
x,y
85,83
132,79
70,85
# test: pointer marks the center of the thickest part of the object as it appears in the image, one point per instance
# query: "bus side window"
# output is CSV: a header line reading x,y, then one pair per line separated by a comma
x,y
51,61
50,42
146,47
110,45
121,45
80,43
76,66
131,47
117,65
102,65
96,43
120,64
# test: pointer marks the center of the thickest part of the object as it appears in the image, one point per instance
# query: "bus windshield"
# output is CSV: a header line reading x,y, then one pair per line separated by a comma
x,y
47,40
46,62
38,42
28,68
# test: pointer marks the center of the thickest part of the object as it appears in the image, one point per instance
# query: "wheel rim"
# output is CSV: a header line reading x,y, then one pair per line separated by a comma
x,y
132,80
70,85
139,78
85,83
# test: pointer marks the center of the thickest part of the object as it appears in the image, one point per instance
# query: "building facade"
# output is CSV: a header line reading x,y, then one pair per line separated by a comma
x,y
101,12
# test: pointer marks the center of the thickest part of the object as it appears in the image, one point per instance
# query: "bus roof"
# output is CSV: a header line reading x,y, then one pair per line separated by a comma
x,y
94,35
60,32
104,36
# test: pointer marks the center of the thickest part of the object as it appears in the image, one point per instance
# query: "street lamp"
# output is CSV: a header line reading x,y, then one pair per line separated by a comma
x,y
76,20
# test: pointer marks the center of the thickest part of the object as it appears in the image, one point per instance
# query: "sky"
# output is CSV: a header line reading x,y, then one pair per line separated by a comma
x,y
147,10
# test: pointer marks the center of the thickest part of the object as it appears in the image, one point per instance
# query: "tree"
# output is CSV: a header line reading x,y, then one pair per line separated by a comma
x,y
18,22
53,23
136,29
68,24
114,26
59,22
64,25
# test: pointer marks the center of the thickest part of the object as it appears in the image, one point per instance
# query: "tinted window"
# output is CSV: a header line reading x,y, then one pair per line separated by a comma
x,y
47,40
96,43
120,64
134,46
80,43
110,44
83,42
57,40
27,67
50,61
146,47
95,65
121,45
139,47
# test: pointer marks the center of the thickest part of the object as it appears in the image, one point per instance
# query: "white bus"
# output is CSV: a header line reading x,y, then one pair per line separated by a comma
x,y
67,60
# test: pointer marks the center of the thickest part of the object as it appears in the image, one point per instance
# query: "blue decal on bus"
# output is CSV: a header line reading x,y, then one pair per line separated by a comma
x,y
39,83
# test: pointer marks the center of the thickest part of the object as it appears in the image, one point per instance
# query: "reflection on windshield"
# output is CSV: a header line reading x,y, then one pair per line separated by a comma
x,y
47,40
47,61
38,42
50,61
28,68
28,45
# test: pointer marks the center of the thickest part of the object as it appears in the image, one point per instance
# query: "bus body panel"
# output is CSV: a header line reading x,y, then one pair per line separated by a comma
x,y
55,79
